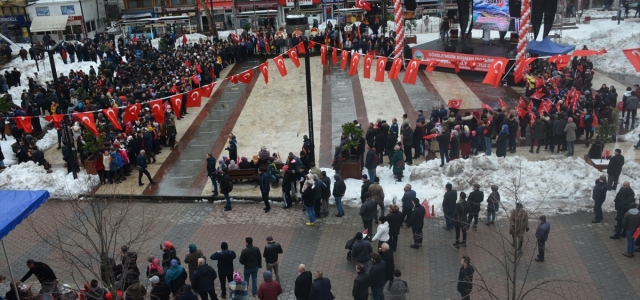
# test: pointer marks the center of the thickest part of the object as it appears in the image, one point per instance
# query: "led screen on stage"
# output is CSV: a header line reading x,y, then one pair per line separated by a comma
x,y
491,14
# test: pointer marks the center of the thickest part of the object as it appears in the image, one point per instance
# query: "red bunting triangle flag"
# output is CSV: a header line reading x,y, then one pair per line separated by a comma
x,y
112,115
246,76
355,60
368,60
264,69
280,64
381,66
194,98
294,57
158,110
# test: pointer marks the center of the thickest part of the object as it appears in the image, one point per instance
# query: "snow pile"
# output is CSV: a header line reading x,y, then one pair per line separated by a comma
x,y
9,156
551,186
606,34
48,140
30,176
600,14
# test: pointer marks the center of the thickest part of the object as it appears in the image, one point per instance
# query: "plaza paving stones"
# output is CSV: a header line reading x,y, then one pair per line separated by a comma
x,y
450,86
581,259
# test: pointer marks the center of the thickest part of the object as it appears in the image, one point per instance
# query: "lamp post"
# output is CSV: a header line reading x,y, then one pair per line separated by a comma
x,y
307,73
28,20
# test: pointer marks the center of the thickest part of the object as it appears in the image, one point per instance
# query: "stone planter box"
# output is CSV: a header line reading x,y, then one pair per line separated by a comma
x,y
351,168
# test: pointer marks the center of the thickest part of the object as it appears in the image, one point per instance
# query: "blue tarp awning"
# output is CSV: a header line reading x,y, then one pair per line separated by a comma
x,y
17,206
547,47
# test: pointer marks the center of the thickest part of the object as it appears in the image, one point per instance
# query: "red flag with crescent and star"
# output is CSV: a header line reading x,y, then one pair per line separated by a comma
x,y
112,115
176,103
312,44
518,75
633,55
538,94
411,73
194,98
472,64
545,105
301,49
158,110
345,57
264,69
532,118
521,112
281,66
88,121
294,57
234,79
57,118
363,5
496,70
246,76
334,56
323,54
24,123
521,103
431,65
368,60
207,89
131,112
561,61
380,68
456,64
502,104
355,60
455,103
396,66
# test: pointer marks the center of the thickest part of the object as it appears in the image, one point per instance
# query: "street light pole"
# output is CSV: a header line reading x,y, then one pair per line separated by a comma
x,y
307,71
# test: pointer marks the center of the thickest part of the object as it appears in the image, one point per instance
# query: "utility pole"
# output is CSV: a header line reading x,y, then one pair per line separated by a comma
x,y
307,71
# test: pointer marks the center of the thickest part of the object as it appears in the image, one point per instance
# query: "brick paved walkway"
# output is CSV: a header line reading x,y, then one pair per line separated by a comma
x,y
580,254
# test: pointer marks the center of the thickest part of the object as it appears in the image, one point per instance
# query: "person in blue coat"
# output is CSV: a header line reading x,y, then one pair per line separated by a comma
x,y
225,259
203,280
141,166
599,194
113,167
542,234
264,180
321,288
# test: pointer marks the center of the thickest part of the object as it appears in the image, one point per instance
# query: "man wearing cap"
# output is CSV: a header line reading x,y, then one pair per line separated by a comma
x,y
615,168
270,254
542,233
365,187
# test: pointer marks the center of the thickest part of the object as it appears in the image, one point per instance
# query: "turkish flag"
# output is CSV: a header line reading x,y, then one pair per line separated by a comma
x,y
532,118
301,49
633,55
246,76
311,44
530,106
234,79
558,107
455,103
595,121
381,65
521,112
112,115
456,64
368,60
194,98
484,105
395,69
345,56
158,110
588,52
430,136
521,103
502,104
431,65
207,89
538,94
545,105
176,103
355,60
280,64
363,5
334,56
57,118
24,123
472,64
411,73
294,57
264,69
494,75
88,121
323,54
132,112
561,61
519,73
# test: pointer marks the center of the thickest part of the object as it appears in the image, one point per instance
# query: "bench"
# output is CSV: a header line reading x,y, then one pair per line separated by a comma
x,y
249,174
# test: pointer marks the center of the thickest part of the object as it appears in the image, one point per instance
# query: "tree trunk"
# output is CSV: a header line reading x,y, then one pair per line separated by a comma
x,y
212,28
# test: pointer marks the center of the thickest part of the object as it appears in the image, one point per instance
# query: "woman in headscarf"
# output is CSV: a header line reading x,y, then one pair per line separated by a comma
x,y
465,142
155,269
191,259
454,145
169,254
244,163
221,165
238,288
501,144
233,166
175,278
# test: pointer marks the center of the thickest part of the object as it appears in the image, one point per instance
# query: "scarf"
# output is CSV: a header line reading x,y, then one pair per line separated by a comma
x,y
173,272
505,129
155,265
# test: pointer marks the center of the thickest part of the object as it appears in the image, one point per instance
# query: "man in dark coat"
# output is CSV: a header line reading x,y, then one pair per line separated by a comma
x,y
265,186
449,205
370,162
542,234
360,290
361,252
623,200
368,211
159,289
44,274
365,187
211,172
599,194
465,278
377,276
225,259
303,283
252,261
395,219
615,168
233,151
407,203
321,288
141,166
203,280
443,142
475,198
417,222
387,257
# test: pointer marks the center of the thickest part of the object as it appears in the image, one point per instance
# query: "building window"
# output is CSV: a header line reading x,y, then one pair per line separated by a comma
x,y
42,11
182,2
139,3
68,10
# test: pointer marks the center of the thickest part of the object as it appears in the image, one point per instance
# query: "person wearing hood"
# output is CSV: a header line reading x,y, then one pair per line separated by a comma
x,y
599,194
159,289
169,253
454,145
542,234
244,163
501,144
191,259
465,142
203,280
175,277
397,164
154,268
460,220
270,289
136,291
631,222
238,288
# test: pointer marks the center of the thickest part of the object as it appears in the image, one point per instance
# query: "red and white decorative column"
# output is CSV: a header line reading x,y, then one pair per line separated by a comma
x,y
399,19
525,22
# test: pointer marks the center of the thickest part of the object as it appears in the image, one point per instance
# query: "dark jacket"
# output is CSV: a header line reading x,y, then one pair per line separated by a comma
x,y
250,257
321,290
623,200
43,272
407,199
303,285
360,288
187,296
465,278
599,192
141,161
395,222
339,188
631,220
326,190
615,165
96,294
443,140
449,202
364,189
368,210
225,261
390,266
160,291
271,251
369,161
225,184
211,166
475,198
454,147
461,212
542,232
264,180
361,251
493,202
539,130
417,217
407,137
308,196
203,279
377,275
178,283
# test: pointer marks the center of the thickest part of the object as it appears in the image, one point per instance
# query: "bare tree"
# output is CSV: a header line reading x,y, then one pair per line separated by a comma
x,y
212,28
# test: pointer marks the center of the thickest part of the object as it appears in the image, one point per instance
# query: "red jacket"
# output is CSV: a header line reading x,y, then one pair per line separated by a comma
x,y
269,290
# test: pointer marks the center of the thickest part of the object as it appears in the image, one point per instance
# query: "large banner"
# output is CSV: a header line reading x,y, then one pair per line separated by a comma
x,y
491,14
483,62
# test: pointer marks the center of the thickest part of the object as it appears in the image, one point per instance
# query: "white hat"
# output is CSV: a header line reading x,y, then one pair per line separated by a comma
x,y
154,279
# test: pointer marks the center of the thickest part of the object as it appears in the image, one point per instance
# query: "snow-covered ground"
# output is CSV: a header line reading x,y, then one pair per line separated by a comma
x,y
9,157
553,186
48,140
30,176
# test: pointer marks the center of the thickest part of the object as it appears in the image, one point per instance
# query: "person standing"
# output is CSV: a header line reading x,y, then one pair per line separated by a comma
x,y
465,278
238,288
570,135
519,221
226,186
265,186
631,223
599,195
270,254
321,288
449,205
407,142
377,277
382,232
493,205
361,252
398,288
191,259
368,211
370,162
252,261
615,168
360,290
303,283
475,198
397,163
417,223
443,139
622,202
538,133
269,289
225,259
365,187
211,172
395,219
203,280
326,193
542,233
377,194
387,256
159,289
44,274
141,166
339,188
460,220
407,203
308,196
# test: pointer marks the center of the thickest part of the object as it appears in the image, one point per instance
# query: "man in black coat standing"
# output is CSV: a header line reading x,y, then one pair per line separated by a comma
x,y
225,259
365,187
203,280
623,200
615,168
141,166
407,203
377,276
265,186
252,261
395,219
417,222
361,284
599,194
475,198
211,172
449,205
303,283
387,257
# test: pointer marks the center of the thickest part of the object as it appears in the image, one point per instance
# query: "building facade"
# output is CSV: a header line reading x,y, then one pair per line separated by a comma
x,y
66,19
14,20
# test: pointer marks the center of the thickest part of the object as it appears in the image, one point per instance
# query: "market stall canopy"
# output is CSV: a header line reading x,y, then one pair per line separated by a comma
x,y
547,47
51,23
17,206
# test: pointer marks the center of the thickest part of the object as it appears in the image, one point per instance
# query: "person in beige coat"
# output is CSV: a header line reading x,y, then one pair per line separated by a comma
x,y
377,194
519,220
570,134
